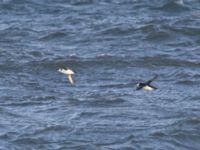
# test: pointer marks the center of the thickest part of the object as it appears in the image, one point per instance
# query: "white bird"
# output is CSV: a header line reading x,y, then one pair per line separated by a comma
x,y
69,74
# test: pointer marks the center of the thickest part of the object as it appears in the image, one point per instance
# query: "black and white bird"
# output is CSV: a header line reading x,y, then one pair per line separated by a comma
x,y
147,85
69,74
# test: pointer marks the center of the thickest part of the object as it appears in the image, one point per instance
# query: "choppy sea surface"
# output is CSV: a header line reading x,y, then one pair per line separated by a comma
x,y
111,45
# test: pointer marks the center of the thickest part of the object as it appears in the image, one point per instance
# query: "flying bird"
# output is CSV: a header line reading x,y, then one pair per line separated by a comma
x,y
69,74
147,85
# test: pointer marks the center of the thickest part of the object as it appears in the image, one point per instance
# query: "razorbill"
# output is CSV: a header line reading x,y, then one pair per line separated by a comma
x,y
146,85
69,74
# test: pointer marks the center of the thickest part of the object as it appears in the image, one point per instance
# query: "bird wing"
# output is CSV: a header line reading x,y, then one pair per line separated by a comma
x,y
70,79
151,80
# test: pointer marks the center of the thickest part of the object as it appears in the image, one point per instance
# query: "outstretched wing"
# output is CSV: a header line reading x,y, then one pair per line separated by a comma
x,y
151,80
70,79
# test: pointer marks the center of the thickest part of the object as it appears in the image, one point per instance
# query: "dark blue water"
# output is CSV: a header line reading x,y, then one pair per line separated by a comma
x,y
111,45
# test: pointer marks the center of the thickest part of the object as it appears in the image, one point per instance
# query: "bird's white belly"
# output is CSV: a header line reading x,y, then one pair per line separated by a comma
x,y
148,88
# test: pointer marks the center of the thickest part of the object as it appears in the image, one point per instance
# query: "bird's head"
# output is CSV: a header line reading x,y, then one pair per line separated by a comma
x,y
138,86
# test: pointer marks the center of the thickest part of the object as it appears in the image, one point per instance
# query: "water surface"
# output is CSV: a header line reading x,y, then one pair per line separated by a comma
x,y
111,45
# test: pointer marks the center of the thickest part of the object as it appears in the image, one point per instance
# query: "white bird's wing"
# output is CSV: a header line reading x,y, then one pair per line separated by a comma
x,y
70,79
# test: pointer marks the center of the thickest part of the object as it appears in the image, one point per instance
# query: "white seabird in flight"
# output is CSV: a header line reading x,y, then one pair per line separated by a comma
x,y
69,74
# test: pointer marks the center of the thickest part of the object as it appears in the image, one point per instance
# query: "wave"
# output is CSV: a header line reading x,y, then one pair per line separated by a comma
x,y
52,36
103,60
182,134
118,31
189,31
81,2
167,61
174,6
158,36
